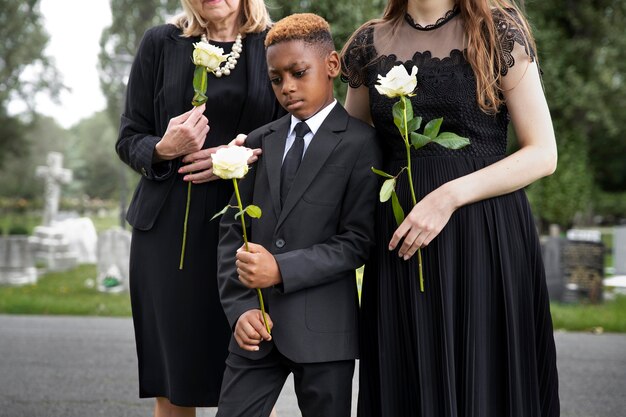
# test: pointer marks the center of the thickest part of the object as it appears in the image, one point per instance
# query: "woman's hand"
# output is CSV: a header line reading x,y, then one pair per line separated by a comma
x,y
425,221
201,165
185,134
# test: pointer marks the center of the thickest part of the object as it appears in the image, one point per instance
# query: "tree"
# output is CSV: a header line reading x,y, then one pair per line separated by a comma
x,y
22,47
119,43
581,48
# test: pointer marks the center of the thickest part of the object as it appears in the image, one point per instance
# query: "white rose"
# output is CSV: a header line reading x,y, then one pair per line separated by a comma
x,y
231,162
207,55
397,82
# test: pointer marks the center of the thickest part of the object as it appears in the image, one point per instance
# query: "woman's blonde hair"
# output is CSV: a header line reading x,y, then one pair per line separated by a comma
x,y
254,18
483,48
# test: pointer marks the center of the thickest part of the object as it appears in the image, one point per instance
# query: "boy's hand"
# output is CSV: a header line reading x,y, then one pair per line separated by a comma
x,y
257,268
250,330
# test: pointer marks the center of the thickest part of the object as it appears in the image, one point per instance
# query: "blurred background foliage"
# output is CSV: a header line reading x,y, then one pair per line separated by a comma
x,y
581,52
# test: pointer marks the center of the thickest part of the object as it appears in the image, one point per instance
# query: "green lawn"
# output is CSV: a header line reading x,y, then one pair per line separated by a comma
x,y
67,293
609,316
64,293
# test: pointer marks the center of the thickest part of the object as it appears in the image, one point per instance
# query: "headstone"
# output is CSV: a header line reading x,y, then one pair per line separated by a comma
x,y
113,260
81,236
51,247
54,175
17,265
583,266
551,252
619,250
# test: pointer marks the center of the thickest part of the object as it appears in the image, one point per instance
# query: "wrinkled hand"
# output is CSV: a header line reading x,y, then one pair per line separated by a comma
x,y
250,330
257,268
425,221
185,134
201,164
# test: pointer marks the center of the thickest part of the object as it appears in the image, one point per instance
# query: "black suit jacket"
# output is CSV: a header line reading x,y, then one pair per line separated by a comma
x,y
323,232
160,88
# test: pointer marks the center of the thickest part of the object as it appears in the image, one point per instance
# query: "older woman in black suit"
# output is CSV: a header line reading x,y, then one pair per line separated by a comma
x,y
180,328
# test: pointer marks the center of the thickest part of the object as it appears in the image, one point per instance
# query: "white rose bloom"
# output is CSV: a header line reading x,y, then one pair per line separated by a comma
x,y
397,82
207,55
231,162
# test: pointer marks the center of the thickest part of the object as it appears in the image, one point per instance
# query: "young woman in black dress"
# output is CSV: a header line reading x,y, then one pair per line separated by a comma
x,y
478,341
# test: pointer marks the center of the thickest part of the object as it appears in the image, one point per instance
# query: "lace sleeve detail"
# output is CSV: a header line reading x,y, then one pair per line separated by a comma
x,y
509,32
357,57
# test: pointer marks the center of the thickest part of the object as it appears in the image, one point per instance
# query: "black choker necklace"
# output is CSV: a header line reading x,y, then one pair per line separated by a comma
x,y
440,22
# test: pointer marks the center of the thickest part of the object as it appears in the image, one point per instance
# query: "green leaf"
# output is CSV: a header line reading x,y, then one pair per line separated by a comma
x,y
220,212
381,173
198,99
432,128
398,212
254,211
415,124
387,189
418,140
451,140
200,79
398,115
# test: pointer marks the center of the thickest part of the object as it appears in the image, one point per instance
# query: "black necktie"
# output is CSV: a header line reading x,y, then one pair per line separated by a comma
x,y
292,160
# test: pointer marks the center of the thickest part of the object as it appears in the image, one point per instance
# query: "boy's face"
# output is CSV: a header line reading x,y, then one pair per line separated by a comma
x,y
302,78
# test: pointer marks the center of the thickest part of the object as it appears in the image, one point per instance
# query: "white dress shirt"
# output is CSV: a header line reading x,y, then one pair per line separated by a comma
x,y
314,122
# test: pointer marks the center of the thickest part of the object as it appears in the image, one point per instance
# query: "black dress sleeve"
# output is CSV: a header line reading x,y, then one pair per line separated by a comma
x,y
357,57
514,45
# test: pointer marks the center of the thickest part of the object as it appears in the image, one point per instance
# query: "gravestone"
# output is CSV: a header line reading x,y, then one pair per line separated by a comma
x,y
619,250
583,266
51,248
551,252
113,260
54,175
81,236
17,265
50,245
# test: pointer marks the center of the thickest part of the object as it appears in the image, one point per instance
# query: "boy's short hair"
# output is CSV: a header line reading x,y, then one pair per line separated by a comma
x,y
307,27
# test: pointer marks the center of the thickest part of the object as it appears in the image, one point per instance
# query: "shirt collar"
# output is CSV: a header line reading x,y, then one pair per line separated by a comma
x,y
314,122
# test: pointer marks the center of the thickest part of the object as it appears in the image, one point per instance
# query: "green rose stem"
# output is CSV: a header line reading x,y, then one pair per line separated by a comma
x,y
199,98
407,145
245,242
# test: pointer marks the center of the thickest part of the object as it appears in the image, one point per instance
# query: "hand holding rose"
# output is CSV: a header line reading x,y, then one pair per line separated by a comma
x,y
257,267
250,330
185,134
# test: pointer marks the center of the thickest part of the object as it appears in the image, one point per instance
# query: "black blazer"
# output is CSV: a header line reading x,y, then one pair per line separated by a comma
x,y
159,88
321,235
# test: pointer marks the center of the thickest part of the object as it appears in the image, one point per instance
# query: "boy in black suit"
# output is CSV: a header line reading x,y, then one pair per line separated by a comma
x,y
314,185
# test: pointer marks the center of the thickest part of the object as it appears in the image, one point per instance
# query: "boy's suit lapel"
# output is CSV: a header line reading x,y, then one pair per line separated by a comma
x,y
273,150
318,151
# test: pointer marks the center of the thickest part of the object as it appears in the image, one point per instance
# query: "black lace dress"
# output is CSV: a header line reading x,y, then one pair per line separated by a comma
x,y
478,341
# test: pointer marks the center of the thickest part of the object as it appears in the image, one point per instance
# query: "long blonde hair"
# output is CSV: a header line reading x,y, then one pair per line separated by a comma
x,y
254,18
483,50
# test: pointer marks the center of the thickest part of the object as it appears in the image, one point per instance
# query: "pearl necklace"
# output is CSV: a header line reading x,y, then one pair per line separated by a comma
x,y
231,61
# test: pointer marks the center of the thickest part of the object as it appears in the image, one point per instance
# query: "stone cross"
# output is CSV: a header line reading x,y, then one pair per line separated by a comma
x,y
54,175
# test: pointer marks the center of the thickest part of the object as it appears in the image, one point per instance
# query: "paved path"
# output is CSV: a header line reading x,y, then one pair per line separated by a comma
x,y
75,366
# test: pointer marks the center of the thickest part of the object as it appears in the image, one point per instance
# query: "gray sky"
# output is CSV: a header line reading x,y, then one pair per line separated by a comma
x,y
74,27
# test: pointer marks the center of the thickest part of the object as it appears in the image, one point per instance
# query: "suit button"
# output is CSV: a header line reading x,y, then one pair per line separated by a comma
x,y
143,172
280,243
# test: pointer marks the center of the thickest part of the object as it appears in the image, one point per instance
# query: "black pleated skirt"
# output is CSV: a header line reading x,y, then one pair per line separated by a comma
x,y
478,342
181,330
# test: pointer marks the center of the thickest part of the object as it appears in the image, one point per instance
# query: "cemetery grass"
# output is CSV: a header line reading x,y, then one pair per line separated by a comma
x,y
64,293
609,316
